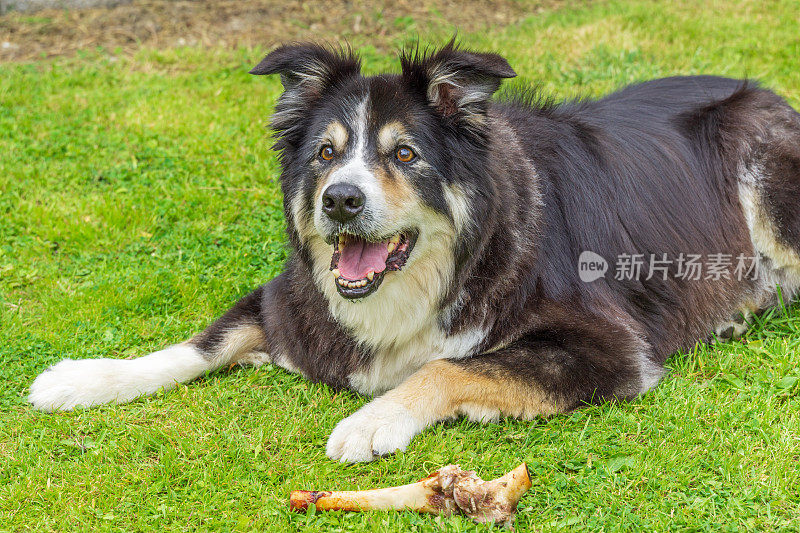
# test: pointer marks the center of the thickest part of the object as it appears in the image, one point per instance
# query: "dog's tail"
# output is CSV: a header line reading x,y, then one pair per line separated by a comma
x,y
237,337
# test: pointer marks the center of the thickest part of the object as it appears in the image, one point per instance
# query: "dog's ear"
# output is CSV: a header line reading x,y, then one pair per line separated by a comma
x,y
306,71
457,83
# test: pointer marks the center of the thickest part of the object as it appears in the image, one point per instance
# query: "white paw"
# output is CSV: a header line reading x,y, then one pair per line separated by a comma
x,y
379,428
88,382
71,383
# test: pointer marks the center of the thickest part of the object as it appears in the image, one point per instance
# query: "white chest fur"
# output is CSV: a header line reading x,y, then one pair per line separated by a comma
x,y
391,366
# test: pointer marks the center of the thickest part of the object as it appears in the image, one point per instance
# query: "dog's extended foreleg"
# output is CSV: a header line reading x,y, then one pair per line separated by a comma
x,y
529,378
236,337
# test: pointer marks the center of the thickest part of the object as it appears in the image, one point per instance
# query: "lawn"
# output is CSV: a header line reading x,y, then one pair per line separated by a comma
x,y
139,200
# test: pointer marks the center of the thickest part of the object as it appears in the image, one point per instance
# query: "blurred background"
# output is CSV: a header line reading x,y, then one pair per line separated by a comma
x,y
34,29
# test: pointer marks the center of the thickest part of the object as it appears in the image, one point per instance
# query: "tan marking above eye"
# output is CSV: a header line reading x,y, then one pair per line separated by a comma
x,y
337,135
390,135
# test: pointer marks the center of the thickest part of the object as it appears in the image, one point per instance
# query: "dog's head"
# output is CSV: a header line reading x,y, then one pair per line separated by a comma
x,y
377,170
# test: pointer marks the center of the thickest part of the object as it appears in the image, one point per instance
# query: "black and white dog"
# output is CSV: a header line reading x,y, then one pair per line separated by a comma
x,y
437,238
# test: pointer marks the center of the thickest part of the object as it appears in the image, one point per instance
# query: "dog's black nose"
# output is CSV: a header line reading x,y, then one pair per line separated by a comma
x,y
342,201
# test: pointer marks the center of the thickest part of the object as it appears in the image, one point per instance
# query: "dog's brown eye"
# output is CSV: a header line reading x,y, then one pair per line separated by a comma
x,y
404,154
327,153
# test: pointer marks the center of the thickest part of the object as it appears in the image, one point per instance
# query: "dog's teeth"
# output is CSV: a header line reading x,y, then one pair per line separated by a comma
x,y
341,240
395,239
349,284
391,246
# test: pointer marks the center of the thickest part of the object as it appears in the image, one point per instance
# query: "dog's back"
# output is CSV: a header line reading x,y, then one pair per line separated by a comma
x,y
655,171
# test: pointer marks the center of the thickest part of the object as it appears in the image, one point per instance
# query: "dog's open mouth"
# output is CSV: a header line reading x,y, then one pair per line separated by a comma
x,y
359,265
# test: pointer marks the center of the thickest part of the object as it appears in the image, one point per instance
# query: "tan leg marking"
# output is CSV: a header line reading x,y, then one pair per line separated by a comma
x,y
441,390
242,345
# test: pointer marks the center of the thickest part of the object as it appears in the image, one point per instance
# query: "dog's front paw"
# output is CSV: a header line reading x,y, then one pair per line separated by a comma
x,y
71,383
379,428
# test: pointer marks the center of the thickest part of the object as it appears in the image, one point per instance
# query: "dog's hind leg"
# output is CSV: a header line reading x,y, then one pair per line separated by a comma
x,y
545,374
769,192
237,337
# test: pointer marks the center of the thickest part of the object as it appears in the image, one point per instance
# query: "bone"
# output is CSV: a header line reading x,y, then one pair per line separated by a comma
x,y
447,491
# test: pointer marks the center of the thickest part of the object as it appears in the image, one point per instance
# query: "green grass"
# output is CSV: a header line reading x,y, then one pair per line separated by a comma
x,y
138,201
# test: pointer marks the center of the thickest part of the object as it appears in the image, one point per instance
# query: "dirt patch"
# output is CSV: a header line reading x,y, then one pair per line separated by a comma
x,y
233,23
38,5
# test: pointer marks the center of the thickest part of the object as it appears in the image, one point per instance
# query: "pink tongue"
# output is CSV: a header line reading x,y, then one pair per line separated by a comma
x,y
359,257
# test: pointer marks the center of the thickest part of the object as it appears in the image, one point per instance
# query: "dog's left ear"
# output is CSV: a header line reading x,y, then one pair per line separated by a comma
x,y
457,83
306,71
